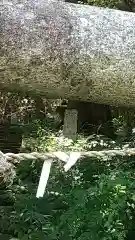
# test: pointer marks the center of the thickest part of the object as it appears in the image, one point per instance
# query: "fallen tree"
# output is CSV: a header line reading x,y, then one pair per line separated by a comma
x,y
62,50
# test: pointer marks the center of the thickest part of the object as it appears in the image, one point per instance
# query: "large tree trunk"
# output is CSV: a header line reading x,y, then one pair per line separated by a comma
x,y
62,50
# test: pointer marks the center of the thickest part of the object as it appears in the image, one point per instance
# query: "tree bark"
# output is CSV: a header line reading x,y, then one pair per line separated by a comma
x,y
40,108
62,50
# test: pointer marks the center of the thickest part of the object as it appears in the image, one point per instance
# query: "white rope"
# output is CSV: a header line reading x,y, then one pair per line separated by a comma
x,y
64,156
69,158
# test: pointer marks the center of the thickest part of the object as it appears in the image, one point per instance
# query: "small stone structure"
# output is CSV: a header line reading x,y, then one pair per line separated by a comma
x,y
70,123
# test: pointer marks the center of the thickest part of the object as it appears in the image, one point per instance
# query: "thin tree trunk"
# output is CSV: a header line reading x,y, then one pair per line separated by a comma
x,y
40,108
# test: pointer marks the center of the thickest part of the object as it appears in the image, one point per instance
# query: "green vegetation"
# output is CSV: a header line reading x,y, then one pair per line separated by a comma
x,y
94,200
104,3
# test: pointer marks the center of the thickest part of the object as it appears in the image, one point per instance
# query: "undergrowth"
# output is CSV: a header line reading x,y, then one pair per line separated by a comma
x,y
94,200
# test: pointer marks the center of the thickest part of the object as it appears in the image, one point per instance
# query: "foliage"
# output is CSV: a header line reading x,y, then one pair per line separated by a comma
x,y
114,4
98,212
104,3
95,200
99,3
